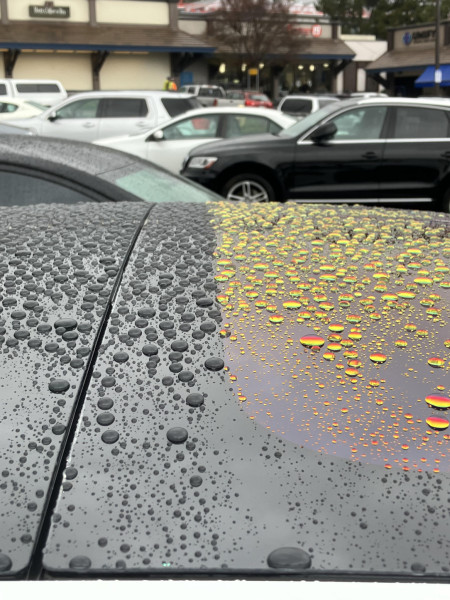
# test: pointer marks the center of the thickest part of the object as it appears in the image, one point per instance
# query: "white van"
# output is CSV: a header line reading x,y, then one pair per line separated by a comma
x,y
44,91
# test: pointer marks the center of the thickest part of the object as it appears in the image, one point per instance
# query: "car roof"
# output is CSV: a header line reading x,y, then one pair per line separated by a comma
x,y
309,96
219,110
205,431
131,94
38,151
424,101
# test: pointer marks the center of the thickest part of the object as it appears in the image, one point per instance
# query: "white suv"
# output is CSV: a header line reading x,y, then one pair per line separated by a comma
x,y
93,115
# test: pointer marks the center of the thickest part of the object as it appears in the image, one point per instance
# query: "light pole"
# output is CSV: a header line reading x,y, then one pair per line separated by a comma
x,y
437,71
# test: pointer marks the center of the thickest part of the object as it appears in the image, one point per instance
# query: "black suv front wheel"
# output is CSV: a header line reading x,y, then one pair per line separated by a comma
x,y
248,187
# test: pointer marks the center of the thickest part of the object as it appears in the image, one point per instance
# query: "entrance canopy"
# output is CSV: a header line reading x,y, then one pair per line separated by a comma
x,y
427,77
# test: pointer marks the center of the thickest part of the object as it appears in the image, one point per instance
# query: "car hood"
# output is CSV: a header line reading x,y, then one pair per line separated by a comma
x,y
27,122
123,139
240,144
234,390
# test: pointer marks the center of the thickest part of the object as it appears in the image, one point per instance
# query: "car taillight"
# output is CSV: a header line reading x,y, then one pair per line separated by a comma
x,y
250,103
269,104
215,103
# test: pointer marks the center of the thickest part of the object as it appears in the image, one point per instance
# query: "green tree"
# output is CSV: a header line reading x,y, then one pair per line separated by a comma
x,y
395,13
384,14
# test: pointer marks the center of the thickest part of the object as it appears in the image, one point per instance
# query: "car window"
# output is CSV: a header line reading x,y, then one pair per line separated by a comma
x,y
235,95
2,89
19,189
297,105
325,101
260,97
80,109
417,122
33,88
210,92
178,106
155,185
248,125
36,104
7,107
195,127
361,123
124,108
313,119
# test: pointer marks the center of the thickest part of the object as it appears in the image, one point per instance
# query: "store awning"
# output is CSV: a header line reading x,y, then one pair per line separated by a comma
x,y
407,60
109,38
427,77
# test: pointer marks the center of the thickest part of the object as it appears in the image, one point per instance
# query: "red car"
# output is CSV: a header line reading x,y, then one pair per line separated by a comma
x,y
250,98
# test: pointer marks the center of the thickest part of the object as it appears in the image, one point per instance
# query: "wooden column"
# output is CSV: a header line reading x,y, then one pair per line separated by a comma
x,y
4,9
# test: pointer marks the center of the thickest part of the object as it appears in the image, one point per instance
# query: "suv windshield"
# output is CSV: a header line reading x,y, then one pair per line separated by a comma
x,y
305,124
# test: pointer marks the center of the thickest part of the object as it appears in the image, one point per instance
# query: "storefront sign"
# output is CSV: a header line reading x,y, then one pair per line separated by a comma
x,y
314,30
48,10
419,37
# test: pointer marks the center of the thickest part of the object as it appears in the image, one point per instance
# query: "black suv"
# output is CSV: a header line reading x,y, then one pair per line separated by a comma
x,y
390,150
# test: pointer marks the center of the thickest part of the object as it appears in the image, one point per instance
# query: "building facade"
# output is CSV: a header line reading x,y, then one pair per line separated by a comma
x,y
407,68
95,44
322,57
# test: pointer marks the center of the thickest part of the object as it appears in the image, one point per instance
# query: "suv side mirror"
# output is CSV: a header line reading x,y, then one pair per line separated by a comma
x,y
323,133
52,116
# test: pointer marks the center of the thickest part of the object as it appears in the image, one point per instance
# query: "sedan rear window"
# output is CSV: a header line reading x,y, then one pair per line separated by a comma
x,y
154,185
177,106
124,107
210,92
296,105
260,97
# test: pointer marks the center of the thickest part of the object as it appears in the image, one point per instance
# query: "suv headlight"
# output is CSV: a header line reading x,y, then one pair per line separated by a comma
x,y
201,162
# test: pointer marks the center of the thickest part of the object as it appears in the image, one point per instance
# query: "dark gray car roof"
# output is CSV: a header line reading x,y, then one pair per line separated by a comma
x,y
65,153
221,428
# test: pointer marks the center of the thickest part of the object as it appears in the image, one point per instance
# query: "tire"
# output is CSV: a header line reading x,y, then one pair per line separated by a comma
x,y
445,204
248,187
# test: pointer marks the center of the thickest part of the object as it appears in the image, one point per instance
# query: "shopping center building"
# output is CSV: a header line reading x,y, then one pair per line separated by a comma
x,y
95,44
136,44
408,66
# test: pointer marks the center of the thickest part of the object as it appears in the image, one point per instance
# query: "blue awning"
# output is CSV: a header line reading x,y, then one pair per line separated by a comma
x,y
427,77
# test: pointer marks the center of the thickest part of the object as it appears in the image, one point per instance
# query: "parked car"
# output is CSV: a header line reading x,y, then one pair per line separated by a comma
x,y
249,98
93,115
300,106
393,150
43,91
8,129
223,391
13,108
368,95
36,170
167,145
207,95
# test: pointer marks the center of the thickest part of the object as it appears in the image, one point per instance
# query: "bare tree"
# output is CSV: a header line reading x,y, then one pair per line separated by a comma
x,y
257,31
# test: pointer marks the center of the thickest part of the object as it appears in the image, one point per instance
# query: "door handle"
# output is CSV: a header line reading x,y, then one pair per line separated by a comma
x,y
88,125
370,155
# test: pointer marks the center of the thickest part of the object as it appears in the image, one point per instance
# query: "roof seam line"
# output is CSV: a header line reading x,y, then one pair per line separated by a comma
x,y
35,568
